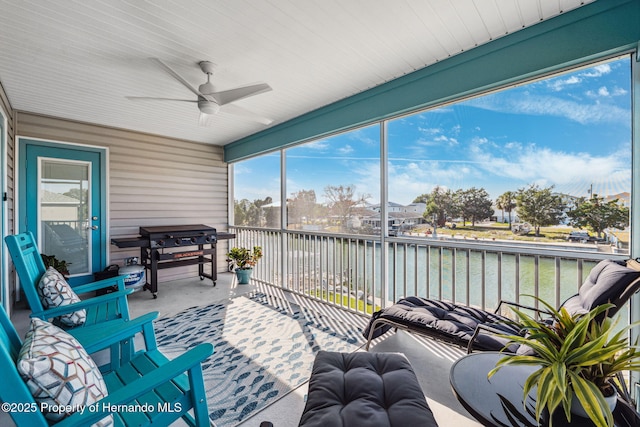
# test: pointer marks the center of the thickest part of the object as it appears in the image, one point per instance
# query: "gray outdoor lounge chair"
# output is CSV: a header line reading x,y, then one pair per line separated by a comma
x,y
608,282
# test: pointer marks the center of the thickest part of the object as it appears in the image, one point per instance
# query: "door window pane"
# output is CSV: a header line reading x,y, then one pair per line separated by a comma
x,y
64,204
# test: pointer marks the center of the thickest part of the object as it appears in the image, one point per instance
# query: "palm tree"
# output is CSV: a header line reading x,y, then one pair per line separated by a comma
x,y
506,202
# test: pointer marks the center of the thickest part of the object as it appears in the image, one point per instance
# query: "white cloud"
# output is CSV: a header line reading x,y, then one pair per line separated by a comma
x,y
361,136
409,179
597,71
544,165
552,106
262,189
607,93
241,168
559,84
496,168
347,149
430,131
320,145
513,146
618,91
435,137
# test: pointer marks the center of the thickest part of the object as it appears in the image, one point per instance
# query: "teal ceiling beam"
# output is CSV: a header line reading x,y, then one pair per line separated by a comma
x,y
599,29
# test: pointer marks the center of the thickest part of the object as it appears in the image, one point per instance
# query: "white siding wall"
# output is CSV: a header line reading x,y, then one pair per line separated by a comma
x,y
153,180
9,113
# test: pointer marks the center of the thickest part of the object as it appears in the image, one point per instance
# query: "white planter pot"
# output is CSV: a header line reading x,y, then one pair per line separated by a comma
x,y
577,409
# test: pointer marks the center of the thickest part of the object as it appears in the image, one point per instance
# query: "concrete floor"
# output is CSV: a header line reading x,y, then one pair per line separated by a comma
x,y
430,360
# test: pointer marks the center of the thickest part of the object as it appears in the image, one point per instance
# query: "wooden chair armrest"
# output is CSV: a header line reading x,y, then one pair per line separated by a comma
x,y
110,333
101,284
64,309
188,362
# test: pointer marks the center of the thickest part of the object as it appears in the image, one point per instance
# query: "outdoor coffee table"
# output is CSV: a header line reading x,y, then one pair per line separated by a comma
x,y
499,401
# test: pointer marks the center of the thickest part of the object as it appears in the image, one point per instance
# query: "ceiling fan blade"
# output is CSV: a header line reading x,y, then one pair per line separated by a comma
x,y
243,112
231,95
177,76
149,98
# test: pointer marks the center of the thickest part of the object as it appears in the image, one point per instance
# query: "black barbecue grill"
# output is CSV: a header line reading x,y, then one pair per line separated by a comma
x,y
171,236
171,246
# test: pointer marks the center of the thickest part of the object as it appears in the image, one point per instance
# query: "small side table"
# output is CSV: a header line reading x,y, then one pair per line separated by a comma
x,y
498,402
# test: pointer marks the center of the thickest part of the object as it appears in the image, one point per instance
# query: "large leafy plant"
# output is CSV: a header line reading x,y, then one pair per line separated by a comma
x,y
579,355
245,258
61,266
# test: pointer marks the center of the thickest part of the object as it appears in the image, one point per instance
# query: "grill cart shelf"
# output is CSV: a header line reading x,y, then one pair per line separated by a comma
x,y
173,246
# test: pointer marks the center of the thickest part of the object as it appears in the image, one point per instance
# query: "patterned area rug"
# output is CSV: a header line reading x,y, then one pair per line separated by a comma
x,y
264,348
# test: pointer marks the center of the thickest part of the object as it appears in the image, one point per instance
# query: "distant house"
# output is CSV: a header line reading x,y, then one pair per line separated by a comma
x,y
59,208
400,217
624,198
500,215
418,208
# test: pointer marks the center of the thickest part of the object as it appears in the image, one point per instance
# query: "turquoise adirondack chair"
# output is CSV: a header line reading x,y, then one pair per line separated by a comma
x,y
30,267
147,377
101,311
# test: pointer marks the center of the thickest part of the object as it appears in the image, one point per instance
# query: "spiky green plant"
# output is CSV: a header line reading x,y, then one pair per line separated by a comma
x,y
577,355
245,258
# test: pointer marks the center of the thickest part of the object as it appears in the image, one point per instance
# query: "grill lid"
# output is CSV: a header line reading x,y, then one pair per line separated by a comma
x,y
170,231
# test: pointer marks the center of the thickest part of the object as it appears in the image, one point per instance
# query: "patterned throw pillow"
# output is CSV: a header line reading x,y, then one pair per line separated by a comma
x,y
58,371
54,291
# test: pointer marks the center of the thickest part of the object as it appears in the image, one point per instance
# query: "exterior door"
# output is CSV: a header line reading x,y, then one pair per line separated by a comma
x,y
62,204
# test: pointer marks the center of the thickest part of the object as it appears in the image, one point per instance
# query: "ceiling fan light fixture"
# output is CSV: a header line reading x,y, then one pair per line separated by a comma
x,y
208,107
207,88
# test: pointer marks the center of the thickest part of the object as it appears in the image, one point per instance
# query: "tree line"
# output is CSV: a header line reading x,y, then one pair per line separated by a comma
x,y
538,206
342,203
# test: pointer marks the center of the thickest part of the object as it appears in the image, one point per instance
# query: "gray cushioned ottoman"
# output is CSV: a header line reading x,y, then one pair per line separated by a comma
x,y
364,389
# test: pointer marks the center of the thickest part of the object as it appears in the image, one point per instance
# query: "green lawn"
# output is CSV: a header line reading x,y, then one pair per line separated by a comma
x,y
347,301
501,231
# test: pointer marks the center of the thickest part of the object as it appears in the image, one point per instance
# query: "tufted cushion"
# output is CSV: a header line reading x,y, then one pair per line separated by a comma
x,y
445,320
54,291
365,389
58,371
605,283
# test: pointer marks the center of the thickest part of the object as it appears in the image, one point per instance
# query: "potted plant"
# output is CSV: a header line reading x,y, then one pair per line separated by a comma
x,y
244,259
61,266
579,357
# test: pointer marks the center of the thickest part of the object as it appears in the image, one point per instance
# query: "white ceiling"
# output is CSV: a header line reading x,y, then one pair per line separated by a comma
x,y
80,59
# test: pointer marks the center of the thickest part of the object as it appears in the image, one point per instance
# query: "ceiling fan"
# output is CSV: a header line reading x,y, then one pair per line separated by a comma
x,y
210,101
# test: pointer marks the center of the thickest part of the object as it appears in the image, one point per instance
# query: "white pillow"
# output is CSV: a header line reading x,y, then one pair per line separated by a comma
x,y
54,291
58,371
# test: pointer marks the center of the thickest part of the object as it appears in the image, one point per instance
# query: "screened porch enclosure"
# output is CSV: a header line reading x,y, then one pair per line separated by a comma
x,y
514,194
506,194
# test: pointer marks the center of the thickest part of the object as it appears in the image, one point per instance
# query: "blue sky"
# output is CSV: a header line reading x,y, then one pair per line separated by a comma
x,y
572,131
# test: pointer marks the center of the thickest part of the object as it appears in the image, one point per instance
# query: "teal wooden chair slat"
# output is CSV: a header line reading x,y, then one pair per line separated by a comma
x,y
30,268
174,388
12,387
